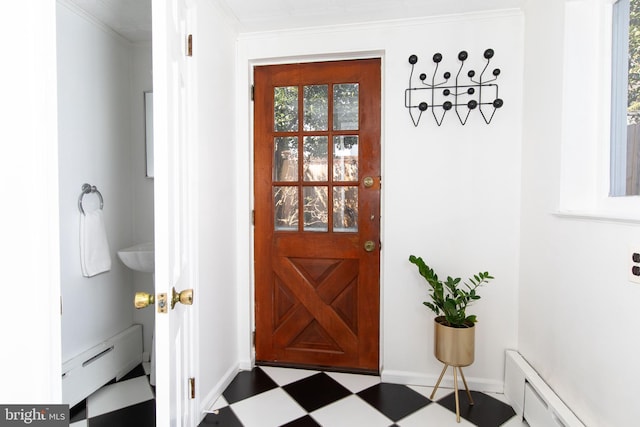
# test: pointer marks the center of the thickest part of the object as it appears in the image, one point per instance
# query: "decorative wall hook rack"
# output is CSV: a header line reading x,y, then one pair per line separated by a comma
x,y
467,93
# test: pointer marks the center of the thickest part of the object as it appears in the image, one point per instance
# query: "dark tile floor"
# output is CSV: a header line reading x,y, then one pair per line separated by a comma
x,y
268,396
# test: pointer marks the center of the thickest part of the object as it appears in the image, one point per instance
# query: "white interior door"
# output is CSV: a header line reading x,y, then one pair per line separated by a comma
x,y
174,214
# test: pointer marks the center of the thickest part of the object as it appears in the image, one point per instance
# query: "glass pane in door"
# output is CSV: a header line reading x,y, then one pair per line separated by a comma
x,y
316,210
315,163
285,202
285,158
345,209
345,158
345,106
316,107
285,109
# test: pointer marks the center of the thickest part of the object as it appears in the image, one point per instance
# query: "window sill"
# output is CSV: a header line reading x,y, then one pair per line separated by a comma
x,y
600,216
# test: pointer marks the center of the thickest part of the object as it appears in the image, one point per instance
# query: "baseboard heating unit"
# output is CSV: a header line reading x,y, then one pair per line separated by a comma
x,y
90,370
531,398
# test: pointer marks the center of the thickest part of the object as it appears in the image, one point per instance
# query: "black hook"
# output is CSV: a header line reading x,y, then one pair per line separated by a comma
x,y
460,96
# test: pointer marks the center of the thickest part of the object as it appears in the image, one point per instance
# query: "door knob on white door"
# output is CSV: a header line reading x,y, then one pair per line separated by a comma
x,y
185,297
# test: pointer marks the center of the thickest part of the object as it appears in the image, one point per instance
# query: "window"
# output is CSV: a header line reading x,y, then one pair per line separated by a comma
x,y
595,97
625,99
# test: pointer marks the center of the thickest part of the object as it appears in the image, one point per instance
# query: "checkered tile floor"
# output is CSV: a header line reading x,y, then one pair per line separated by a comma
x,y
129,402
273,397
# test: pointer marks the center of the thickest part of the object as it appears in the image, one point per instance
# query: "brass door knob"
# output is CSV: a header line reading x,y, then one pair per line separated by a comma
x,y
185,297
368,182
369,245
143,299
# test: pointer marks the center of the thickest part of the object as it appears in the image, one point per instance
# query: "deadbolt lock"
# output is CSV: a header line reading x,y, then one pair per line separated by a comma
x,y
143,299
185,297
369,245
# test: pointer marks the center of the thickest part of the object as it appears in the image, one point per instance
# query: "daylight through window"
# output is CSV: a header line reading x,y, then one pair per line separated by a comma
x,y
625,116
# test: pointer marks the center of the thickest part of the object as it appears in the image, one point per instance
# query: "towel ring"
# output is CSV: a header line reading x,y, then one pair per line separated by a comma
x,y
86,189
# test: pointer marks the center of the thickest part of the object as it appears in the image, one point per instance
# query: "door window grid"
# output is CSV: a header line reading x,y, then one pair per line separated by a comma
x,y
301,179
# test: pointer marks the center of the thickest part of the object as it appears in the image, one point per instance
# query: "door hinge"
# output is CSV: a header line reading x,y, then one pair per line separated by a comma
x,y
192,388
253,217
190,45
253,339
253,92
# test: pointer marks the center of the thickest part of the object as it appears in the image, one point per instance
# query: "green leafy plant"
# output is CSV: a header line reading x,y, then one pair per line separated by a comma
x,y
449,297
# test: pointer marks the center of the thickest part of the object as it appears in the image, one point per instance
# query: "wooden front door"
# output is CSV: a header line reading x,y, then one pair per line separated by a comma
x,y
317,214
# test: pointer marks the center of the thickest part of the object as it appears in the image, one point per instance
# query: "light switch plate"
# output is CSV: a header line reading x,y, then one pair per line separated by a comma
x,y
634,264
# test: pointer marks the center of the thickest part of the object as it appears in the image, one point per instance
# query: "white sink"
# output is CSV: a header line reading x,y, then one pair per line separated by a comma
x,y
139,257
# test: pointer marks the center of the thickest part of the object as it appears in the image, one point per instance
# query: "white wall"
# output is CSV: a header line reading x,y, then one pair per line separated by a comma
x,y
450,194
215,71
29,254
98,127
577,309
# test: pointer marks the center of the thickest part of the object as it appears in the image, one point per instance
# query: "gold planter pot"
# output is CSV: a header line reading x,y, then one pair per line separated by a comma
x,y
454,347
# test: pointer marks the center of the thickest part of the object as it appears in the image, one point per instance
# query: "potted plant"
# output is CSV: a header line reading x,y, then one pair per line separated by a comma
x,y
454,330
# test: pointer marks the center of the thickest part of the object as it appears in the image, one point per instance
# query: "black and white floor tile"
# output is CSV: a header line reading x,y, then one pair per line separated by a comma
x,y
283,397
276,397
129,402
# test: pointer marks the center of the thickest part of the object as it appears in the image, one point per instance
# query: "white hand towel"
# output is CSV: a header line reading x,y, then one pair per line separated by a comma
x,y
94,247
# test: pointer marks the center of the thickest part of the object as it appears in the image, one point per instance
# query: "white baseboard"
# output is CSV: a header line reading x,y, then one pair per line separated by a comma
x,y
532,398
209,400
426,380
246,364
90,370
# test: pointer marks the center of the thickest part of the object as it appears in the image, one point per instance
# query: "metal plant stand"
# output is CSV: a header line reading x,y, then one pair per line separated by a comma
x,y
455,386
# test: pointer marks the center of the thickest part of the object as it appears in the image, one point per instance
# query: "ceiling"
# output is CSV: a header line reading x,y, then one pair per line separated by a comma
x,y
129,18
132,18
264,15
